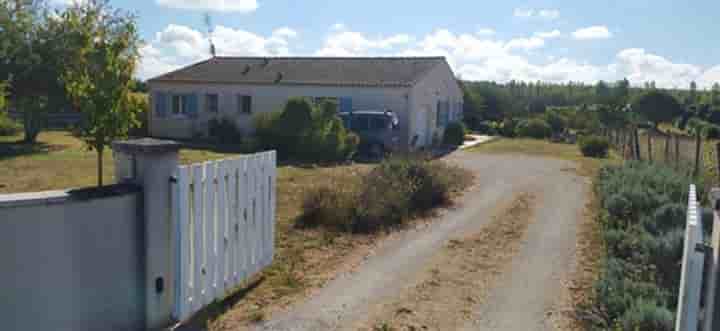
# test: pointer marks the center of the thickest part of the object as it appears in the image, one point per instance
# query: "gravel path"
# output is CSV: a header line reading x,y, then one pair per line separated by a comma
x,y
522,298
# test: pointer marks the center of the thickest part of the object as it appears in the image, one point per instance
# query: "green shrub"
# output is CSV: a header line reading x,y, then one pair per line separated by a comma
x,y
138,103
303,132
647,316
224,131
507,128
533,128
557,123
8,127
594,146
389,195
454,134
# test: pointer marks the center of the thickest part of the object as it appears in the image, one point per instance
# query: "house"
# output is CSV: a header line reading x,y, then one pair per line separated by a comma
x,y
422,91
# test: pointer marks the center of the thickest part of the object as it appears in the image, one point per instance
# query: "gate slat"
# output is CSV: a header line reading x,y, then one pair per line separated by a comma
x,y
243,248
184,291
197,254
266,209
232,225
255,221
208,231
221,232
273,201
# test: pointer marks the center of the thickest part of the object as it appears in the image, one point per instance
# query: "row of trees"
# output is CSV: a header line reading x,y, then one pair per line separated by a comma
x,y
82,57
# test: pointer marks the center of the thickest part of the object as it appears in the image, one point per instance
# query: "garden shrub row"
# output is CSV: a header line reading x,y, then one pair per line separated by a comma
x,y
305,132
8,127
642,217
392,193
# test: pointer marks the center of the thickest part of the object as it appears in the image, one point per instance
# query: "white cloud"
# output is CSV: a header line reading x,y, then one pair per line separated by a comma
x,y
350,43
593,32
547,14
549,34
639,66
285,32
526,43
338,26
550,14
179,45
485,32
523,12
709,77
214,5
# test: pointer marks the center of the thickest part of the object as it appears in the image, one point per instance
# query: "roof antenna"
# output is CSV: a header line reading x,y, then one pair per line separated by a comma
x,y
208,23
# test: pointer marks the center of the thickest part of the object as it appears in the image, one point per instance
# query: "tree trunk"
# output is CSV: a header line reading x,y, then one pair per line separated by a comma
x,y
100,166
30,127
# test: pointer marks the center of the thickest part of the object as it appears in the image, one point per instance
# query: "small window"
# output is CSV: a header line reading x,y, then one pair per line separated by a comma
x,y
177,104
378,123
360,123
211,103
244,103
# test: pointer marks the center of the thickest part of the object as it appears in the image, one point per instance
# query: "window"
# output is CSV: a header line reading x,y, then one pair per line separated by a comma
x,y
378,123
177,104
244,103
211,103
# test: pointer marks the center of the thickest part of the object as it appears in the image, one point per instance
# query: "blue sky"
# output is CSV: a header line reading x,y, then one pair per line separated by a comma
x,y
670,42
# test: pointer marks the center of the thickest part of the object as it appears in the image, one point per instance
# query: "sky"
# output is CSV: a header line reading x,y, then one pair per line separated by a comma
x,y
669,42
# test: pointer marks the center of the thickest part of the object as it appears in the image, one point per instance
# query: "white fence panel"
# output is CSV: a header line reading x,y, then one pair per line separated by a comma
x,y
224,227
692,269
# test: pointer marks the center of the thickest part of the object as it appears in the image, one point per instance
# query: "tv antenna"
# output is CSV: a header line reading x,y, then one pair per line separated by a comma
x,y
209,25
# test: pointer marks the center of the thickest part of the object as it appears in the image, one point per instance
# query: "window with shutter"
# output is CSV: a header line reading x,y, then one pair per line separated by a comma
x,y
160,99
244,104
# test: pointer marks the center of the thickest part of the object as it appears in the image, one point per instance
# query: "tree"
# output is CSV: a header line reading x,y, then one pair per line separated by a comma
x,y
692,98
31,60
657,106
3,101
622,92
602,91
99,82
715,95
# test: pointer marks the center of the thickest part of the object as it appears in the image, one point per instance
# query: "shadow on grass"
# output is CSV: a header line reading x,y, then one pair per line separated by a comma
x,y
12,149
218,308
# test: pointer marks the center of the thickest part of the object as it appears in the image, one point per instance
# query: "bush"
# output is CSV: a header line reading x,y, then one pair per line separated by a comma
x,y
224,131
8,127
303,132
594,146
139,104
507,128
557,123
534,128
389,195
454,134
647,316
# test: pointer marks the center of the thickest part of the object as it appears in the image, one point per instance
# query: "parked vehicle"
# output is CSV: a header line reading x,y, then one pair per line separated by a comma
x,y
378,130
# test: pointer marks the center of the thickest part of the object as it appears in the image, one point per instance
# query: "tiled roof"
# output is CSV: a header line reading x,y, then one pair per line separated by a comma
x,y
351,71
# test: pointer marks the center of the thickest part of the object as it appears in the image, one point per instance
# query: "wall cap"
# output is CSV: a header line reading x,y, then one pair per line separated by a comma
x,y
66,196
145,146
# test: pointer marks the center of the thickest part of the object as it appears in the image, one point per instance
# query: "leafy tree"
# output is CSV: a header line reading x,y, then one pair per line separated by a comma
x,y
715,95
657,106
622,93
31,59
693,97
602,91
3,101
105,43
612,118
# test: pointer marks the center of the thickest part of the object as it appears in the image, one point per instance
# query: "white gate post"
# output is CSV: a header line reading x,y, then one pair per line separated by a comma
x,y
150,163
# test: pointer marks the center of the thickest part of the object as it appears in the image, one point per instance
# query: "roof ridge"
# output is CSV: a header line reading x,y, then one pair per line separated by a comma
x,y
332,57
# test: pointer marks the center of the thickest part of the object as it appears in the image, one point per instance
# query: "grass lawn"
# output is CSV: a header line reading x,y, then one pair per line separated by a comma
x,y
303,257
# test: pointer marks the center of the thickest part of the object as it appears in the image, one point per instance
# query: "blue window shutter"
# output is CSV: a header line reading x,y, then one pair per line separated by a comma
x,y
160,99
345,104
447,112
192,105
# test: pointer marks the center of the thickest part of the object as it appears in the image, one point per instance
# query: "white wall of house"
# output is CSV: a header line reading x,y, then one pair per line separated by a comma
x,y
437,85
265,98
416,107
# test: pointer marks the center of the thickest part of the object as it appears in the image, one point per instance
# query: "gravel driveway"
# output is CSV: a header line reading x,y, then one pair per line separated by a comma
x,y
527,290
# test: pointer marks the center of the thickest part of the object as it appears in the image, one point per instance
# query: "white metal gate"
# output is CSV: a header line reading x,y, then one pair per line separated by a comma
x,y
224,214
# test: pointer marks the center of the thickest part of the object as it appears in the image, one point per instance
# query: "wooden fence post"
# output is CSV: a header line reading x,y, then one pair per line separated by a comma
x,y
667,148
698,144
650,142
677,151
637,144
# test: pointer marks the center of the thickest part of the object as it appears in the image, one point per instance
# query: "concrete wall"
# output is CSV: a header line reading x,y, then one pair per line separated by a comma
x,y
266,98
71,263
438,85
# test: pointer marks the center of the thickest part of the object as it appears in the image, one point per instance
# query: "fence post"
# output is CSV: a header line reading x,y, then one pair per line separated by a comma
x,y
677,151
637,144
692,269
150,163
667,148
712,317
650,142
698,144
